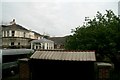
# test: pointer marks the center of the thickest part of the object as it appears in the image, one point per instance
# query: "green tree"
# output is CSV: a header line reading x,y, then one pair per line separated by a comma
x,y
102,34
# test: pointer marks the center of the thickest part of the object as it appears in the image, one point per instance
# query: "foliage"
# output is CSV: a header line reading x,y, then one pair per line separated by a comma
x,y
102,34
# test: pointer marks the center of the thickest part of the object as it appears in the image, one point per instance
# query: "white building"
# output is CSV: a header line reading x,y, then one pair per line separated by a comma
x,y
42,44
119,9
16,36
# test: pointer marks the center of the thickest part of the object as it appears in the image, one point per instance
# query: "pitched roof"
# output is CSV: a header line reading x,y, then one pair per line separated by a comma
x,y
42,41
65,55
16,26
37,33
58,40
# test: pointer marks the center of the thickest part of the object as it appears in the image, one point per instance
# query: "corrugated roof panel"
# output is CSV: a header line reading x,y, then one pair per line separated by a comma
x,y
71,56
93,57
55,56
36,56
81,56
74,56
60,55
51,54
77,56
88,56
68,55
78,59
48,55
64,55
41,55
44,55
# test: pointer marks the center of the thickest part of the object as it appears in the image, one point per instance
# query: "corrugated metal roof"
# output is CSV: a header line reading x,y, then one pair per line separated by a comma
x,y
65,55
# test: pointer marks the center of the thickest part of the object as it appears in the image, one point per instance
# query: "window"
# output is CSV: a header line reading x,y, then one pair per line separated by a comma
x,y
24,34
18,43
36,47
13,33
12,43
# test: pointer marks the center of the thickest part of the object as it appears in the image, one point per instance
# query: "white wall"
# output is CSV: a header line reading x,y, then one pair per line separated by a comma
x,y
20,34
3,34
10,33
31,35
46,46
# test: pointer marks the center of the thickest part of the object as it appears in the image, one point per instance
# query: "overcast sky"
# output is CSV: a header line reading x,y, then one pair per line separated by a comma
x,y
54,17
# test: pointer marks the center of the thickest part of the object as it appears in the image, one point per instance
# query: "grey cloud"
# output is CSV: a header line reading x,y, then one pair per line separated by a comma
x,y
55,18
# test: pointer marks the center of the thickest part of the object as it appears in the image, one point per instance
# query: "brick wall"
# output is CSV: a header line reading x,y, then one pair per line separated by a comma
x,y
24,71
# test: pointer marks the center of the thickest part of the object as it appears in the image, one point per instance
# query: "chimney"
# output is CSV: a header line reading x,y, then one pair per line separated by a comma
x,y
13,22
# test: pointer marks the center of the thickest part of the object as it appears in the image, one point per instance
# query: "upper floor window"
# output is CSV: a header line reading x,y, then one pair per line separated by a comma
x,y
13,33
24,34
12,43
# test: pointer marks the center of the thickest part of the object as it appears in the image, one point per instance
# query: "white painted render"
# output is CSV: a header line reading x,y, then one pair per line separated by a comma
x,y
42,44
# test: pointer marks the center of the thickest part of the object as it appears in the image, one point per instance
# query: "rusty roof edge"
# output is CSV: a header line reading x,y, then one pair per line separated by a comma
x,y
67,50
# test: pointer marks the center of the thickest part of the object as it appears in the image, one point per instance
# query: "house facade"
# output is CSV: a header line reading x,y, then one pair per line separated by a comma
x,y
16,36
42,44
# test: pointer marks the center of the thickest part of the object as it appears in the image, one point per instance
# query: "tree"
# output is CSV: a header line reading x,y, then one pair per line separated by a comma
x,y
102,34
